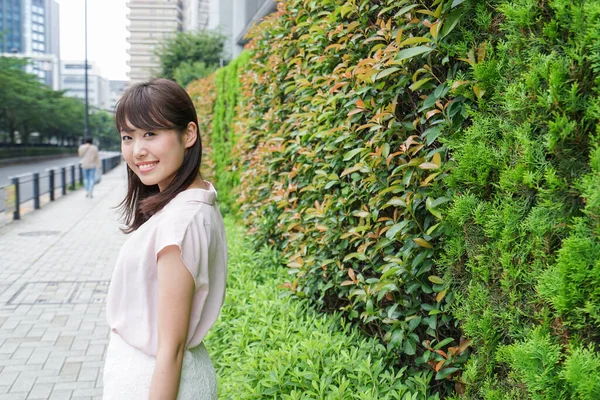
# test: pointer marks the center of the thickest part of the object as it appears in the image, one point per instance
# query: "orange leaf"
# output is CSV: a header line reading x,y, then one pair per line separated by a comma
x,y
351,274
432,113
423,243
438,366
463,345
442,353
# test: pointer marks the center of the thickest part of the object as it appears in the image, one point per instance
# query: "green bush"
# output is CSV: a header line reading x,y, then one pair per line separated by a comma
x,y
222,135
341,164
522,230
430,171
267,345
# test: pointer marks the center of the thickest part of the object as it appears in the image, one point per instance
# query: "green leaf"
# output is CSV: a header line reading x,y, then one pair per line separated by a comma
x,y
352,153
419,83
435,279
450,23
405,10
413,52
412,325
443,373
384,73
391,233
409,347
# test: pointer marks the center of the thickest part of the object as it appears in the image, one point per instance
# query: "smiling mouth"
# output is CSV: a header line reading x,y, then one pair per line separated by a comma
x,y
147,167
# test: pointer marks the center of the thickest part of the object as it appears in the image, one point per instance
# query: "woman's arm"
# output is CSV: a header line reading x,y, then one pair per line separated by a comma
x,y
175,295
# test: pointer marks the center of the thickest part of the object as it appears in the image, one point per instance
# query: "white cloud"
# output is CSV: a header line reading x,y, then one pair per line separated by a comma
x,y
107,34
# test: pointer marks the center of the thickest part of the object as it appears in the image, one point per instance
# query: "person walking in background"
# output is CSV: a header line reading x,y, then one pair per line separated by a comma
x,y
90,161
168,284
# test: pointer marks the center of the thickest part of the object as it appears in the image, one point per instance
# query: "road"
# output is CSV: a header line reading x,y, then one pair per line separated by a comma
x,y
25,173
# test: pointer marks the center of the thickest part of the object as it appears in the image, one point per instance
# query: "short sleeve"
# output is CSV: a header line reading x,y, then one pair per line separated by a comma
x,y
191,236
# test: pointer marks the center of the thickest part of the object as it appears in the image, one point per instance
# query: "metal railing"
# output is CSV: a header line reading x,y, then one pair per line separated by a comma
x,y
69,175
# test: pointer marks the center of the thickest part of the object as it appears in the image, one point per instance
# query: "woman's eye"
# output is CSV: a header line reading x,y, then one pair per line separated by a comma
x,y
149,134
125,138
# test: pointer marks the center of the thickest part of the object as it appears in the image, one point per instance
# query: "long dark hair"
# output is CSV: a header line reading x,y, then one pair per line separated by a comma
x,y
153,105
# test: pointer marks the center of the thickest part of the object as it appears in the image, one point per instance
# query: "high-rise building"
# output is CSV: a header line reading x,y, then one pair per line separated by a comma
x,y
30,29
153,21
115,91
233,18
150,23
73,82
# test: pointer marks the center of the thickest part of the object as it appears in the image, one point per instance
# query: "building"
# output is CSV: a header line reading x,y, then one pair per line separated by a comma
x,y
73,82
115,91
150,23
153,21
253,11
233,18
31,30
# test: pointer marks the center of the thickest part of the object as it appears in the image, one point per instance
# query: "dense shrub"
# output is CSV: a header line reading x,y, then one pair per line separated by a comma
x,y
267,345
342,164
202,92
431,170
222,135
521,243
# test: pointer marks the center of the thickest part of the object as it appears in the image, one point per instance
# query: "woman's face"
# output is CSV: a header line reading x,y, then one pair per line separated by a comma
x,y
156,156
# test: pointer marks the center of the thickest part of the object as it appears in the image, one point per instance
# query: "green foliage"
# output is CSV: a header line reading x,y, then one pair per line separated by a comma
x,y
522,231
28,106
430,171
223,135
190,54
268,345
341,164
186,72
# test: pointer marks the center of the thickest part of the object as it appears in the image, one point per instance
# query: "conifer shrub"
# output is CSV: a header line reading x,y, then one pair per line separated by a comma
x,y
521,243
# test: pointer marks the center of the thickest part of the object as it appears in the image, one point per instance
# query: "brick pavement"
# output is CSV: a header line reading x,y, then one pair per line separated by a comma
x,y
55,264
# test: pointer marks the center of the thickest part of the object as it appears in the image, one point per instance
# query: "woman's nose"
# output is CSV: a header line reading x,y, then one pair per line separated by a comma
x,y
139,150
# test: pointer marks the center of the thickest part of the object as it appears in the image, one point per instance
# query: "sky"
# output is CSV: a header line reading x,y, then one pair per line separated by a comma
x,y
107,34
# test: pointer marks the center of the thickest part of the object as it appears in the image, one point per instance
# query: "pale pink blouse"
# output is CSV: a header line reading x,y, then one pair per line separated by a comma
x,y
192,222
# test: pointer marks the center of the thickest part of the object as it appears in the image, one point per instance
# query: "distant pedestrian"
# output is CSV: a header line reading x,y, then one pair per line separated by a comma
x,y
90,162
168,284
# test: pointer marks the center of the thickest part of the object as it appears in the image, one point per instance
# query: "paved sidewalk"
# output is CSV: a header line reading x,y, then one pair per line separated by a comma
x,y
55,266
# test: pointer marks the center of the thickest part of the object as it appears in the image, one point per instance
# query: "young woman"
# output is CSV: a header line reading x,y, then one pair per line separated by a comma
x,y
169,280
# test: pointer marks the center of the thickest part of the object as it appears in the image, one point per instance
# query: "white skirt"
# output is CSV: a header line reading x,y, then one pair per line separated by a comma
x,y
128,372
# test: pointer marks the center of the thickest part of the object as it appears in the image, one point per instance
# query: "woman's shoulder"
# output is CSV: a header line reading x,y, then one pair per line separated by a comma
x,y
188,205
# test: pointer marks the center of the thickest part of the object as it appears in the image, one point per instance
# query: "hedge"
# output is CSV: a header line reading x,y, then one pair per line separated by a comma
x,y
267,345
341,163
430,170
521,243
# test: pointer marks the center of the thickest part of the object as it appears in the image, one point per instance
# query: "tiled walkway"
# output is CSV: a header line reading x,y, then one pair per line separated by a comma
x,y
55,265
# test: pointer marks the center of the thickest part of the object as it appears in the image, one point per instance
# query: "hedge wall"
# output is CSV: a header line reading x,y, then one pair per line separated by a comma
x,y
342,164
521,243
431,170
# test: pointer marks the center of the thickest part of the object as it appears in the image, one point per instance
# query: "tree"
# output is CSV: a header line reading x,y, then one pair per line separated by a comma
x,y
28,106
187,72
188,51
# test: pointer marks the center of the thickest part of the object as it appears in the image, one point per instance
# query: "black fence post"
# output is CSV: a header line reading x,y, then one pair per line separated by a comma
x,y
51,182
63,178
36,190
80,175
73,177
104,167
16,213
